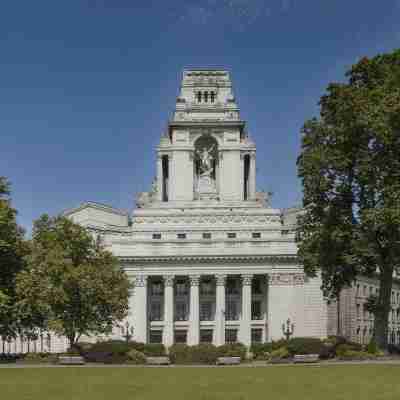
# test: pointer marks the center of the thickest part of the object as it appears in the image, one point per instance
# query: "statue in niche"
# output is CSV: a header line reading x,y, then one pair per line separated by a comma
x,y
206,185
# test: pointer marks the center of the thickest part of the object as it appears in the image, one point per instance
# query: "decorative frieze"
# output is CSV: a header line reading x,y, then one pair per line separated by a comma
x,y
207,220
286,279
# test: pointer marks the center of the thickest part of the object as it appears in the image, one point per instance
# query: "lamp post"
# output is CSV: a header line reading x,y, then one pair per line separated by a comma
x,y
288,329
128,332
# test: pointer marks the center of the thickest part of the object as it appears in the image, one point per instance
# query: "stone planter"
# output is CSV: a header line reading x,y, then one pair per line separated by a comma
x,y
164,360
71,360
306,358
228,360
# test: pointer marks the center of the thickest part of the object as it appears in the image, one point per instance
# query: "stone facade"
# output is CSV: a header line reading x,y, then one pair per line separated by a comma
x,y
210,259
356,323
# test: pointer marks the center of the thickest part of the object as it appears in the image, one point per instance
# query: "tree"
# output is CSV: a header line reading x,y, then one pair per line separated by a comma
x,y
350,170
71,285
13,249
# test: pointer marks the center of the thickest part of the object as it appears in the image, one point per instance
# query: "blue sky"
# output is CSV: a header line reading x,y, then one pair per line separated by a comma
x,y
87,86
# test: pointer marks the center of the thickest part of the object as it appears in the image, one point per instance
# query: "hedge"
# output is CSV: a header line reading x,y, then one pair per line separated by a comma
x,y
304,345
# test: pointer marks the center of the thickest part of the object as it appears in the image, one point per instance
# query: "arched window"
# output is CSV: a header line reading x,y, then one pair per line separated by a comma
x,y
199,97
205,97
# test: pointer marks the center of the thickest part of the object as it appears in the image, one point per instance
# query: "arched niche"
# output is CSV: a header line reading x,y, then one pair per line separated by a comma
x,y
205,167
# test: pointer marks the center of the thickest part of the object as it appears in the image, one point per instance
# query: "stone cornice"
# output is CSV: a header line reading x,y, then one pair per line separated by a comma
x,y
276,259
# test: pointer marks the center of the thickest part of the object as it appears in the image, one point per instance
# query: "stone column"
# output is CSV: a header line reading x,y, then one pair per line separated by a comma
x,y
194,319
168,332
252,177
159,177
220,310
245,323
140,309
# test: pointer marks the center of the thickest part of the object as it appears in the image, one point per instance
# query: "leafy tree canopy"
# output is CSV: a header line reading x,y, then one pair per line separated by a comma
x,y
71,286
13,248
350,170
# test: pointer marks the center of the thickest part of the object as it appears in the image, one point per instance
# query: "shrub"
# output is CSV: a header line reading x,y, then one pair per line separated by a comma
x,y
8,358
110,352
304,345
39,358
327,351
393,349
203,354
279,354
139,346
351,355
372,347
349,346
232,350
136,357
154,349
180,354
83,347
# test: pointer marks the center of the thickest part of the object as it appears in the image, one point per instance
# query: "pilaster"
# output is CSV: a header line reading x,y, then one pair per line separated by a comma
x,y
140,309
220,310
245,323
168,332
194,320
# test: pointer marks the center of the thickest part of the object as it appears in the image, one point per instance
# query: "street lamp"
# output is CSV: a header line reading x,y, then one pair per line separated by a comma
x,y
288,329
128,331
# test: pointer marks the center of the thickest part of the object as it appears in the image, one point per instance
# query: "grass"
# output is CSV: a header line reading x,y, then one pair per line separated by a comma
x,y
339,382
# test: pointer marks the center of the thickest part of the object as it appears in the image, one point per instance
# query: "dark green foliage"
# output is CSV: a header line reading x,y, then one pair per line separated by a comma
x,y
71,285
154,349
136,357
394,349
232,350
300,345
180,354
350,170
372,347
13,250
199,354
8,358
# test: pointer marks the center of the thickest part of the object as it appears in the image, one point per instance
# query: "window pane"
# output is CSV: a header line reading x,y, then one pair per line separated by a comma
x,y
156,336
230,335
180,336
206,335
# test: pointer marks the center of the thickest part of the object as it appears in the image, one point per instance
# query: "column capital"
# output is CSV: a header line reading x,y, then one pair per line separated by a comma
x,y
247,279
194,280
140,280
220,279
169,280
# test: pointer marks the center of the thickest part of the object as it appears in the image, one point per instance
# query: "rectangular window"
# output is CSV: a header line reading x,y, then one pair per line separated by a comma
x,y
206,235
180,336
358,310
231,235
156,288
231,335
155,336
256,310
181,235
156,235
206,335
156,311
181,288
232,310
181,311
206,309
256,235
207,288
256,286
256,335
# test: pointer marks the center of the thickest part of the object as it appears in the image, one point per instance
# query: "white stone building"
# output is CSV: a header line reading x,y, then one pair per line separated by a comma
x,y
210,259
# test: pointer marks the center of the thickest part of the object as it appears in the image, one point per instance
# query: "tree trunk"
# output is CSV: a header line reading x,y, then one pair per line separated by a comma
x,y
72,340
383,307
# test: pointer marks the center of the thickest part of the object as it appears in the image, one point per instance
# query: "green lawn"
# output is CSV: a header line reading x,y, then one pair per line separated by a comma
x,y
351,382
